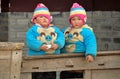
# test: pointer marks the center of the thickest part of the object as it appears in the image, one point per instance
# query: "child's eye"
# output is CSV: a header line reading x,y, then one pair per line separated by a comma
x,y
72,19
75,33
67,32
41,16
52,34
42,33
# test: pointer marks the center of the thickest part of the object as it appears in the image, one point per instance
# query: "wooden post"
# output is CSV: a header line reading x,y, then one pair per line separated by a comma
x,y
27,75
87,74
10,60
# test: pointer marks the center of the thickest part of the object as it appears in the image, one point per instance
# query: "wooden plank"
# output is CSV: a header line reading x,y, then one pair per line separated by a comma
x,y
87,74
11,46
100,53
5,64
16,64
26,75
5,55
106,74
4,69
4,75
78,63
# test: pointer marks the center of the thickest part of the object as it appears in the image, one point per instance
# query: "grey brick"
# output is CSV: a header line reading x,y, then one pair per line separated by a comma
x,y
89,14
116,14
100,14
115,46
116,28
22,21
21,34
56,14
12,35
116,40
17,15
17,28
116,34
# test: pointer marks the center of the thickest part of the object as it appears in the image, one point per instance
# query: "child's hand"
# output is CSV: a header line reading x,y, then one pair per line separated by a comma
x,y
44,47
54,46
89,58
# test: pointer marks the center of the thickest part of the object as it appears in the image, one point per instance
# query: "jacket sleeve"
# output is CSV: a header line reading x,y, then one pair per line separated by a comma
x,y
90,42
60,41
31,39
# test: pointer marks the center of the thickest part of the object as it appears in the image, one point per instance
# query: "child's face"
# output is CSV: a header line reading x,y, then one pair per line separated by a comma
x,y
76,22
43,21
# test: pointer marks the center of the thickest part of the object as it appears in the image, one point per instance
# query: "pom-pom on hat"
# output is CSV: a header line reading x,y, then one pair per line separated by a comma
x,y
41,10
78,10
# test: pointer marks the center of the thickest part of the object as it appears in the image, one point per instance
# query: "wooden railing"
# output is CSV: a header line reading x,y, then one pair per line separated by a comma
x,y
107,64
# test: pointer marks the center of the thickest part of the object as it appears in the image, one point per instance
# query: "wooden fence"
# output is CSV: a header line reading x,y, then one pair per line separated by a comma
x,y
14,66
105,66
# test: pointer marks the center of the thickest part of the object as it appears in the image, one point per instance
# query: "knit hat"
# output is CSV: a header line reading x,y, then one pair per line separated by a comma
x,y
41,10
78,10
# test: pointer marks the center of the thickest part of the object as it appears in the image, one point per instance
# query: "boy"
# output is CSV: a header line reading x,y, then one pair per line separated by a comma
x,y
79,38
42,38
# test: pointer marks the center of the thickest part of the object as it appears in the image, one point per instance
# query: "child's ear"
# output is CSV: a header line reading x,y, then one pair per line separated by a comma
x,y
51,18
35,21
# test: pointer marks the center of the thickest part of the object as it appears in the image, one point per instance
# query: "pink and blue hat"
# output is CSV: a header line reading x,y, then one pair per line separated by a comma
x,y
41,10
78,10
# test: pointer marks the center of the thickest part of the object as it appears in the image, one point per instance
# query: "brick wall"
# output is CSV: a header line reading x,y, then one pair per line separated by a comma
x,y
107,29
106,25
3,26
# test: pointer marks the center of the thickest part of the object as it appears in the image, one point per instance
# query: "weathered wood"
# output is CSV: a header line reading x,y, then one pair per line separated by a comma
x,y
10,60
100,53
4,75
105,60
106,74
4,69
87,74
16,64
78,63
11,46
5,55
26,75
4,64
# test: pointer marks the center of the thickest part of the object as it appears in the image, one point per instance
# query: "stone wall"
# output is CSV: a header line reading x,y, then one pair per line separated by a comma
x,y
106,25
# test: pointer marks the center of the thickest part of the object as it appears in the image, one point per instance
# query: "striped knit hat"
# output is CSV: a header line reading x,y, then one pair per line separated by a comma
x,y
41,10
78,10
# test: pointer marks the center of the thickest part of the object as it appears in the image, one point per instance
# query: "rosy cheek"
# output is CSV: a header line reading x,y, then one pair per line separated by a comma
x,y
81,22
71,22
